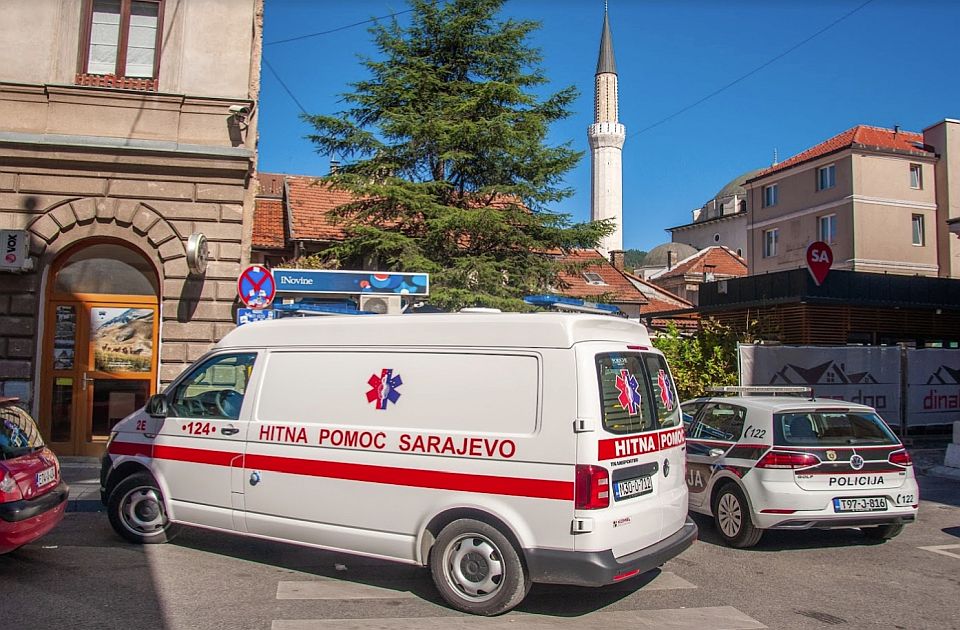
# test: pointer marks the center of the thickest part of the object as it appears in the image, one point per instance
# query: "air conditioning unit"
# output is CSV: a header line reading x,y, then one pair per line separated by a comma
x,y
381,304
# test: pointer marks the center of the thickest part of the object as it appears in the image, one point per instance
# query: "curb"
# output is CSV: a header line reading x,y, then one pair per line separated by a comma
x,y
943,472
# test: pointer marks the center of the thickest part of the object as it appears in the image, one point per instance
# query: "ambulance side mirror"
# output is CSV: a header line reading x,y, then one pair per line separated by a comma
x,y
157,406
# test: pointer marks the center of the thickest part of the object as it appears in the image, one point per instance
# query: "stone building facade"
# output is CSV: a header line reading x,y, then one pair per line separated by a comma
x,y
128,129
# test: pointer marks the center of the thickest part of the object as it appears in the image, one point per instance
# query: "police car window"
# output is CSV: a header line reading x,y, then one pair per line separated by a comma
x,y
623,394
720,421
215,388
664,391
831,428
689,412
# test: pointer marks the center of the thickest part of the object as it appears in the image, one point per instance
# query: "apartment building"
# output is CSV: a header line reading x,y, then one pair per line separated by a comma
x,y
127,148
880,197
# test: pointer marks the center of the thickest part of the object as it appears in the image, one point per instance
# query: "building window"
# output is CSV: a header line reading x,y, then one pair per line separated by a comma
x,y
593,278
770,242
120,43
916,176
826,177
918,237
770,195
827,229
716,238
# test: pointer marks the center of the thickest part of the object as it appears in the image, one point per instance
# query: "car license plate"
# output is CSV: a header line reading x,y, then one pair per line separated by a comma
x,y
45,476
627,488
860,504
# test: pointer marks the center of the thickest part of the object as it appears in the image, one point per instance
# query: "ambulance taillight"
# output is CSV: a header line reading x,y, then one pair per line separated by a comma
x,y
592,487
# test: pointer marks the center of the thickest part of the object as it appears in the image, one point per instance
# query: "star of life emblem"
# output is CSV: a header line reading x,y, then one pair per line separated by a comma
x,y
629,389
666,390
383,388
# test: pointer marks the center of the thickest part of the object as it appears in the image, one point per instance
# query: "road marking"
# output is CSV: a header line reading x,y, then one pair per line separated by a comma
x,y
942,550
333,588
709,618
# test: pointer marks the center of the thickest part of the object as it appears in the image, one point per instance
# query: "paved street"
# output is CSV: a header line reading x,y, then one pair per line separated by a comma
x,y
83,576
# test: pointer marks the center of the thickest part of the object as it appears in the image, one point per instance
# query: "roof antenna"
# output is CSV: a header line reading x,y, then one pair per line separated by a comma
x,y
775,161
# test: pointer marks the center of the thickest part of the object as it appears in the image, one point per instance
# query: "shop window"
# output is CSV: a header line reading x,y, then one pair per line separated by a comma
x,y
120,44
108,269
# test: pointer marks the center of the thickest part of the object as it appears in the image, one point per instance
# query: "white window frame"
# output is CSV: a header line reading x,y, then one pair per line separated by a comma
x,y
827,177
917,230
827,228
916,176
771,195
592,277
770,238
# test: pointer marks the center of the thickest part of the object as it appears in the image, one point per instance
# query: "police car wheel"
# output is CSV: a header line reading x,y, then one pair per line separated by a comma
x,y
476,569
136,512
883,532
731,515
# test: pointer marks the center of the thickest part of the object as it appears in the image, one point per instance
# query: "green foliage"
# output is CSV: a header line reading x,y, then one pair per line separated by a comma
x,y
633,258
704,359
445,153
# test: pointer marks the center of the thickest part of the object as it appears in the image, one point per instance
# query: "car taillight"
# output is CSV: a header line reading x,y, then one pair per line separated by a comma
x,y
9,490
901,458
592,487
779,459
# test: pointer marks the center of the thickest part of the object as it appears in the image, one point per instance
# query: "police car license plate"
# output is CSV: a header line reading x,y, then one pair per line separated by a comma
x,y
860,504
45,476
627,488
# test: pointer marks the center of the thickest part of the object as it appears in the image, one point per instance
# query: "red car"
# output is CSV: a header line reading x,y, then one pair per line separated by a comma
x,y
32,495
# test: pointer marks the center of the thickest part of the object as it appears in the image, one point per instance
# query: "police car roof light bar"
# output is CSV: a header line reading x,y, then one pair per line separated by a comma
x,y
763,390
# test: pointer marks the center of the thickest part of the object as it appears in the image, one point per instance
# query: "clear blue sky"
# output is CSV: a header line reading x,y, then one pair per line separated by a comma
x,y
893,62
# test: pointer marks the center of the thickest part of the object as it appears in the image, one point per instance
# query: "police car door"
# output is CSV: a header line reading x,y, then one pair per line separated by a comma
x,y
198,451
710,440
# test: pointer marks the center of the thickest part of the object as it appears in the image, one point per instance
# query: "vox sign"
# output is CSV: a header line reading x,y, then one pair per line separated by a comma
x,y
13,250
819,260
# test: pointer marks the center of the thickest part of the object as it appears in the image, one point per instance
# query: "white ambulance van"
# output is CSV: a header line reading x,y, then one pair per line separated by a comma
x,y
497,449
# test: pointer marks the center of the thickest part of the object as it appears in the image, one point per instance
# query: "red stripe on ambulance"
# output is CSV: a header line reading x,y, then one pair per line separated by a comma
x,y
411,477
640,444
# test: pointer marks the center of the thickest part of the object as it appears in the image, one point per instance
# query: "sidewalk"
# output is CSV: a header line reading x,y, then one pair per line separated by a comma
x,y
83,476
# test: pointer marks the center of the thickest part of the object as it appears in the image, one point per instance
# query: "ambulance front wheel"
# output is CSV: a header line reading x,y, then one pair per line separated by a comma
x,y
731,515
136,512
477,569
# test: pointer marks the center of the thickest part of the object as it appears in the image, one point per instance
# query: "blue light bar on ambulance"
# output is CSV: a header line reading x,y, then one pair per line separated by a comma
x,y
304,308
562,303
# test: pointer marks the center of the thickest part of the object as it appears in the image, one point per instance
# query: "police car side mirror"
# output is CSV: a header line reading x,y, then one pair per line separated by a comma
x,y
157,406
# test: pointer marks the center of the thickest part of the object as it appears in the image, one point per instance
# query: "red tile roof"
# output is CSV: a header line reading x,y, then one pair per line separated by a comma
x,y
659,300
311,204
859,136
268,230
723,261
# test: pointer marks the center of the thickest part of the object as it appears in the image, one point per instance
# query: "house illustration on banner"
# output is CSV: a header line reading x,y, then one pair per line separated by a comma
x,y
944,375
828,373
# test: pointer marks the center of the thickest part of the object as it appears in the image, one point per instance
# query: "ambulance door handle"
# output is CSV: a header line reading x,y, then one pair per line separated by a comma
x,y
716,452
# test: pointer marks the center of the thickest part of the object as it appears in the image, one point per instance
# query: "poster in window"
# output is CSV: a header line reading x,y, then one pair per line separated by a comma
x,y
122,339
64,334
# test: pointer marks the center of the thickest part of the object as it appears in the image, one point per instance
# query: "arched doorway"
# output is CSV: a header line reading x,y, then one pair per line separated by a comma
x,y
99,343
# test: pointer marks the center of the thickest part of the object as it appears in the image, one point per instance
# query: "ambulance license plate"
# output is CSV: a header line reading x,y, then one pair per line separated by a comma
x,y
860,504
45,476
627,488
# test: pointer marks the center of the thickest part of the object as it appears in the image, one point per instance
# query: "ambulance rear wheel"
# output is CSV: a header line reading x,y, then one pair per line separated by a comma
x,y
477,569
883,532
136,511
731,515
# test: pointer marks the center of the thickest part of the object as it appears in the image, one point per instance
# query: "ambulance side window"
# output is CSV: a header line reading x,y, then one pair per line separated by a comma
x,y
214,389
720,421
664,392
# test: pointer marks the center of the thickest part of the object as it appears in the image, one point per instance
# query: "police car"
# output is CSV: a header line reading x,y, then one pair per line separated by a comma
x,y
757,462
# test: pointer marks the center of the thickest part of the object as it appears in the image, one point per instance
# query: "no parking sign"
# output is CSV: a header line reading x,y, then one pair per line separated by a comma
x,y
256,287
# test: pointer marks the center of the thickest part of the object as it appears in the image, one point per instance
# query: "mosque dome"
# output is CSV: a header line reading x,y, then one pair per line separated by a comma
x,y
735,186
657,257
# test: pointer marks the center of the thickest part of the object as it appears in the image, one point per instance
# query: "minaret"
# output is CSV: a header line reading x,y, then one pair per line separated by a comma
x,y
606,136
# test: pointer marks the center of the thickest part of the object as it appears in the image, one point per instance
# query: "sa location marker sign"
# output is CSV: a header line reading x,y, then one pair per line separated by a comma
x,y
256,287
819,261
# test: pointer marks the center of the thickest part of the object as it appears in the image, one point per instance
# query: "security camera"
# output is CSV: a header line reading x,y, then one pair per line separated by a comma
x,y
239,110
